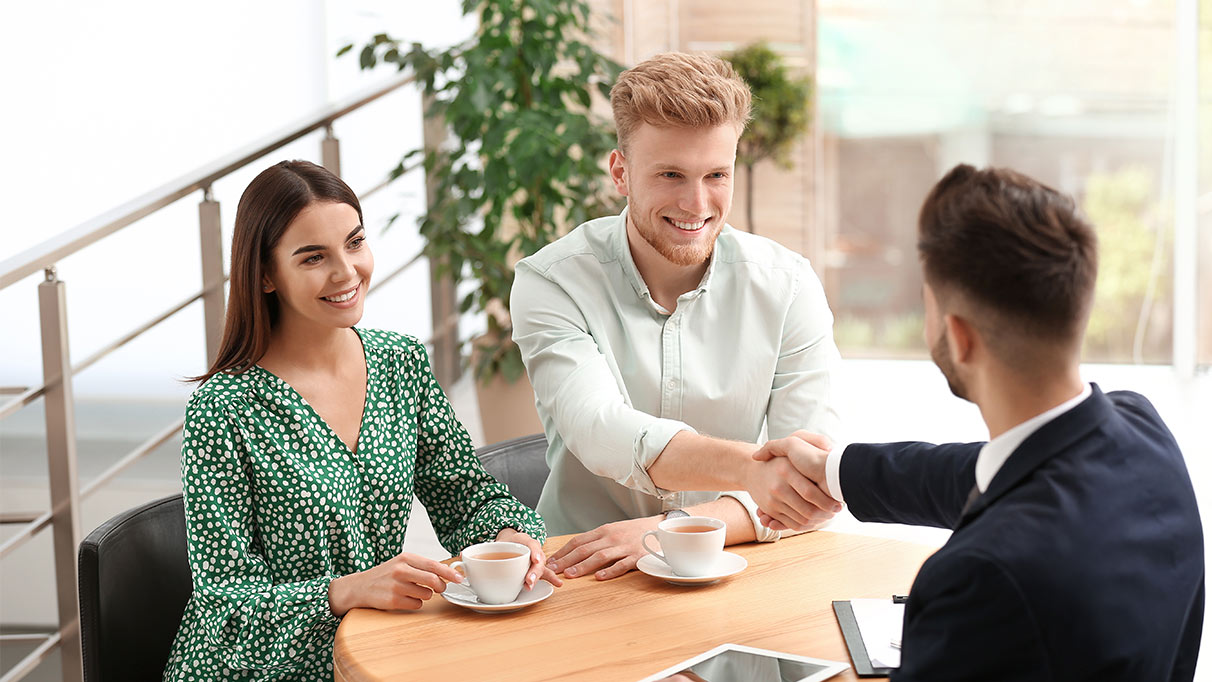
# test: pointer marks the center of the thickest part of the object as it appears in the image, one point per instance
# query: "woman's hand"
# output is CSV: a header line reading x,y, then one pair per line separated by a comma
x,y
403,582
611,549
538,560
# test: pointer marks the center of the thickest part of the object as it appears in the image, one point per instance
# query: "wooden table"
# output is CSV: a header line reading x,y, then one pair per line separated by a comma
x,y
630,627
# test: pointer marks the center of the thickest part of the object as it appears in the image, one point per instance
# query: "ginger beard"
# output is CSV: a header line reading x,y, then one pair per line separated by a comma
x,y
693,253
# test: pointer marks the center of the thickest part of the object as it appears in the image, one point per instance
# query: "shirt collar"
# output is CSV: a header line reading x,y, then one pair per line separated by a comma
x,y
995,453
623,253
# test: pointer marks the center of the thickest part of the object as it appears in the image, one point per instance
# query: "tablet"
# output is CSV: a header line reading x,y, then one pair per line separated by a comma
x,y
737,663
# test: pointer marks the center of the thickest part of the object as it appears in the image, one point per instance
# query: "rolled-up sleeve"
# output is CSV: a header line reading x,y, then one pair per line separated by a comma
x,y
574,385
760,532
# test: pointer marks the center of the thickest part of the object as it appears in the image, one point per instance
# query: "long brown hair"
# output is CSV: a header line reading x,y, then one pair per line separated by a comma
x,y
270,203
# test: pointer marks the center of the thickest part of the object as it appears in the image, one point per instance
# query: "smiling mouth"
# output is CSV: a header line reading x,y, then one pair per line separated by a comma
x,y
688,226
343,296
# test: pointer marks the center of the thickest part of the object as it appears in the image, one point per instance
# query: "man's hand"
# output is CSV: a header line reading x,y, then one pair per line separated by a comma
x,y
611,549
806,450
789,484
538,569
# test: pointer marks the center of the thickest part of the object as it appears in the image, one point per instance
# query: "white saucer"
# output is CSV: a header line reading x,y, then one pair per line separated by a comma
x,y
728,564
461,595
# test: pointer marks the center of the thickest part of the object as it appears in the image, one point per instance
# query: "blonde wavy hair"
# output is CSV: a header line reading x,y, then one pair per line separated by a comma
x,y
676,89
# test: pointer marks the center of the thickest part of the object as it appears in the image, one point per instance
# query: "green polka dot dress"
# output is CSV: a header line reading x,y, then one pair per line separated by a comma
x,y
276,507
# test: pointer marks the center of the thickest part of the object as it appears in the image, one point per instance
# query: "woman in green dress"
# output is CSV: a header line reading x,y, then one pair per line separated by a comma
x,y
304,445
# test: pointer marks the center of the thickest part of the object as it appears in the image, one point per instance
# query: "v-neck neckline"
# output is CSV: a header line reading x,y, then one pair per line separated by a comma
x,y
319,418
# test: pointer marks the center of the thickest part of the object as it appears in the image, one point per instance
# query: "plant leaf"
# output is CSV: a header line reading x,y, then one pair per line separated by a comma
x,y
522,165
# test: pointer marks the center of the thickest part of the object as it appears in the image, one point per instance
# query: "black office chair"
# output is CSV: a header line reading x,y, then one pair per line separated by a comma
x,y
521,464
134,585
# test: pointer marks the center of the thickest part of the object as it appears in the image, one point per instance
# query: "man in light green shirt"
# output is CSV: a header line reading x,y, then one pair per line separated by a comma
x,y
644,332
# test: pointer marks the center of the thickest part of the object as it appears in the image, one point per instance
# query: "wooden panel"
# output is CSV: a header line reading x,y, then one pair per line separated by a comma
x,y
785,199
606,23
654,32
782,200
728,21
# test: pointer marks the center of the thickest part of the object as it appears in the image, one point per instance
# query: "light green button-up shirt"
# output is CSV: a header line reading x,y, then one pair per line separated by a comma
x,y
616,376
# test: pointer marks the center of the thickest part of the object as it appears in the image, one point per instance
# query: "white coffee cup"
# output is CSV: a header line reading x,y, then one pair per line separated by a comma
x,y
495,570
692,544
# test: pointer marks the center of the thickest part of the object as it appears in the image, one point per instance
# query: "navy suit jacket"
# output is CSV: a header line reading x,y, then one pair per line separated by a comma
x,y
1084,559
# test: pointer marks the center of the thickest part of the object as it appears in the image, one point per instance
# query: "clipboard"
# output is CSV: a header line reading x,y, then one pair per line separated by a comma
x,y
854,642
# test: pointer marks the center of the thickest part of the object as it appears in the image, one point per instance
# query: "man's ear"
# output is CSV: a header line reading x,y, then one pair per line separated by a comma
x,y
962,338
618,171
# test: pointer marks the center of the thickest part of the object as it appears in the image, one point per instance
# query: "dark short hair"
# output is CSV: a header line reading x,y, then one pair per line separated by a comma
x,y
268,206
1014,247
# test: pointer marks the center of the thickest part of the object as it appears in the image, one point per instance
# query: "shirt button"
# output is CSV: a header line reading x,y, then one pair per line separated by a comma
x,y
671,384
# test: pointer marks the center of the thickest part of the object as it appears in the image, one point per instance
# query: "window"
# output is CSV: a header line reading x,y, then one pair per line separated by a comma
x,y
1078,94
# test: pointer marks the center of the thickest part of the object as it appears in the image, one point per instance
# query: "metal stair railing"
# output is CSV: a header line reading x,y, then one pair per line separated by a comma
x,y
66,492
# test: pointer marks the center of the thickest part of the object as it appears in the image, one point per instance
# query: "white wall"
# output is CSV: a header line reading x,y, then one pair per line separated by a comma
x,y
105,101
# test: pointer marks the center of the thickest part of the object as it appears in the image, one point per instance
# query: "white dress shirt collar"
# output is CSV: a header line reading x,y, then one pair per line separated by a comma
x,y
995,453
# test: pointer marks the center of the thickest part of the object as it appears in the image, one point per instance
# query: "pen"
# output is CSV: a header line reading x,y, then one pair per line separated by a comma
x,y
900,598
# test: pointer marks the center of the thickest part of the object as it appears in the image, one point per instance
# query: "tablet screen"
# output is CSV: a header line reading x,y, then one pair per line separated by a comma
x,y
743,666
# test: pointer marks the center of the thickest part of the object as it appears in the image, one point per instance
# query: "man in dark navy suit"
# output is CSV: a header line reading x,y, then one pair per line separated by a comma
x,y
1077,551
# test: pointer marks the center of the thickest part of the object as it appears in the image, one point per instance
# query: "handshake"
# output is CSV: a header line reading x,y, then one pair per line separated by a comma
x,y
787,480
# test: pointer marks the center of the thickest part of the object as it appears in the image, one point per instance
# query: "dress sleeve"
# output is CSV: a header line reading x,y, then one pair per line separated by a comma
x,y
465,503
251,622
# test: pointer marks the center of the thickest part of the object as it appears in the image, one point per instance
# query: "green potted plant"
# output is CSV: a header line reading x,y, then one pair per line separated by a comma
x,y
781,113
523,165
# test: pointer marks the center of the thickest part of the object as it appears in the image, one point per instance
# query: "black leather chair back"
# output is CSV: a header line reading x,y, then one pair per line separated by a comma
x,y
134,585
521,464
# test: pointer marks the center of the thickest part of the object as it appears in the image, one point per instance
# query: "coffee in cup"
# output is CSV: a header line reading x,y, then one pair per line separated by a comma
x,y
495,570
692,544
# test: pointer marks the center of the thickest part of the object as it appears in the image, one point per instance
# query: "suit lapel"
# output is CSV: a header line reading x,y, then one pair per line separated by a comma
x,y
1048,441
973,496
